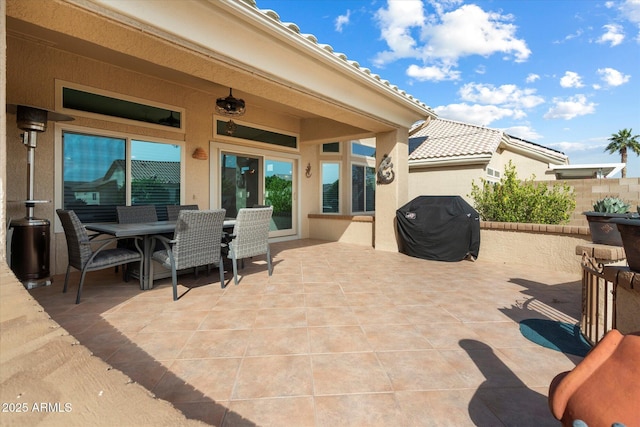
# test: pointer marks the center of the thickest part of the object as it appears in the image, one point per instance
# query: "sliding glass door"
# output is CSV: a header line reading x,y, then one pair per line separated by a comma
x,y
241,185
278,184
251,181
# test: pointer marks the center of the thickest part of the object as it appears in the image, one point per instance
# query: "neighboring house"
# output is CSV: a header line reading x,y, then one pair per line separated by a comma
x,y
105,190
446,156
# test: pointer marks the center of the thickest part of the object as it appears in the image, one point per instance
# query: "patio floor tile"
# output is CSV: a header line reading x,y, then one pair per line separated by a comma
x,y
338,335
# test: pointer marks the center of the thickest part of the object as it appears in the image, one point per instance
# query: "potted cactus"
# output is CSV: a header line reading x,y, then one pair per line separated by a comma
x,y
603,230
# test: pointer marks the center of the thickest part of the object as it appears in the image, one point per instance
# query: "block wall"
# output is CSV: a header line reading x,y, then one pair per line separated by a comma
x,y
587,191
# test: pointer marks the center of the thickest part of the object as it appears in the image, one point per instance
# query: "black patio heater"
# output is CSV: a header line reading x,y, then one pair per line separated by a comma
x,y
31,236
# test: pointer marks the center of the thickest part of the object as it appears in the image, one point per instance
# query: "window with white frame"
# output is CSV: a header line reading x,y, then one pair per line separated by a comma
x,y
363,188
493,175
358,149
100,172
330,187
363,178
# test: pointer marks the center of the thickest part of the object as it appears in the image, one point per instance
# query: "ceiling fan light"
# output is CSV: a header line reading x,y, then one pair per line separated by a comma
x,y
230,106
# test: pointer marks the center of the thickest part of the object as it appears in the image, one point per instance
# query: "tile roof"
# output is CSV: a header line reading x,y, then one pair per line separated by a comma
x,y
166,172
447,138
443,138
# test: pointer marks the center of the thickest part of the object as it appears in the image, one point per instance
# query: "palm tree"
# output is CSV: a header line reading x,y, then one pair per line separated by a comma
x,y
621,142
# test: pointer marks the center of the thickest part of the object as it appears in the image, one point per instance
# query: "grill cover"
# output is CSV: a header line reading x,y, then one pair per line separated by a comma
x,y
441,228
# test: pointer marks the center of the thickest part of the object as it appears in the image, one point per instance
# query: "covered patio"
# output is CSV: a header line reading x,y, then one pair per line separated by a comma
x,y
339,335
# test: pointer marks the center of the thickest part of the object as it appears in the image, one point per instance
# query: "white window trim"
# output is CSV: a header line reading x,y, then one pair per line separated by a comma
x,y
360,156
61,127
215,176
60,84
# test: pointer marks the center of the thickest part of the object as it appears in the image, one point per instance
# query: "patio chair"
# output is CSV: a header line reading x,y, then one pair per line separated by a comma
x,y
83,257
196,242
250,237
138,213
174,210
603,388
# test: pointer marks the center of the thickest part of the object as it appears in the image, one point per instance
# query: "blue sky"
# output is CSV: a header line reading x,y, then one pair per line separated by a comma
x,y
561,73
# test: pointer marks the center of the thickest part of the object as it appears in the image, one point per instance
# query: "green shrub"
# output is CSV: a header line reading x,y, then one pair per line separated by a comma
x,y
511,200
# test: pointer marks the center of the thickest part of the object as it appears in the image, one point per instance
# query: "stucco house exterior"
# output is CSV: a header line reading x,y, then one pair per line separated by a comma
x,y
446,156
161,67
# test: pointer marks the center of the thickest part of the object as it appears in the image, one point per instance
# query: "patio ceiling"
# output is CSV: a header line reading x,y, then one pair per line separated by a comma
x,y
225,44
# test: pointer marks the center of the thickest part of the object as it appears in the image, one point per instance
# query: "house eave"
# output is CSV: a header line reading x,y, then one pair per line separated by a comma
x,y
532,152
482,159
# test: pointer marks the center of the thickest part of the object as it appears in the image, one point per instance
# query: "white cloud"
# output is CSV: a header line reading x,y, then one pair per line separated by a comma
x,y
630,10
395,24
432,73
481,115
437,40
571,79
523,132
595,143
613,35
570,108
613,77
568,37
532,78
485,33
342,20
506,95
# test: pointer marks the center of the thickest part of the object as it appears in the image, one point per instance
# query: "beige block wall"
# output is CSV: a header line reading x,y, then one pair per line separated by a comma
x,y
587,191
552,251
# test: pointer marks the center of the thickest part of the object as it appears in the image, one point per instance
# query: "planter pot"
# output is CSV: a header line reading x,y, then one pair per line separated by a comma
x,y
630,232
603,230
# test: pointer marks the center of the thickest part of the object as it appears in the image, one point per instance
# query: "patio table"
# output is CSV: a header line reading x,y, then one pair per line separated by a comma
x,y
146,230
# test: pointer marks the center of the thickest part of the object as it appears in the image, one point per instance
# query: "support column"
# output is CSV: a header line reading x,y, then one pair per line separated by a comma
x,y
389,197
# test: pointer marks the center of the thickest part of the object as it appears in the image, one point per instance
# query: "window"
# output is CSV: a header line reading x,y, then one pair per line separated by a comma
x,y
330,187
493,175
363,188
255,134
331,148
92,102
98,174
358,149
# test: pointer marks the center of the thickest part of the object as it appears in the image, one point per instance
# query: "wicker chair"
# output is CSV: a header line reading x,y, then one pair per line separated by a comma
x,y
84,258
135,214
196,243
174,210
250,237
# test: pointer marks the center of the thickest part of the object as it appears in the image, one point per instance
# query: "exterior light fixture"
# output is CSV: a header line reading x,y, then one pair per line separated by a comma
x,y
230,106
200,154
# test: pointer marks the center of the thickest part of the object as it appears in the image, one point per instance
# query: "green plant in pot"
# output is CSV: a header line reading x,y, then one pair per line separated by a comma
x,y
603,230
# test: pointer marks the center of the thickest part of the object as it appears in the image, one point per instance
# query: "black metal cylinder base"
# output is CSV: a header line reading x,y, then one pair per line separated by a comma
x,y
30,251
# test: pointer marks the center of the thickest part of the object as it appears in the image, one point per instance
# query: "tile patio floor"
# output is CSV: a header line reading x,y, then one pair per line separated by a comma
x,y
340,335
